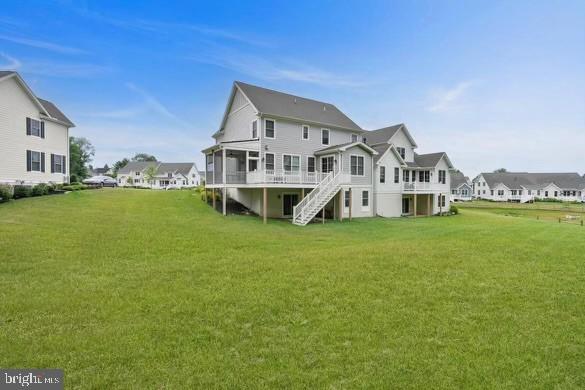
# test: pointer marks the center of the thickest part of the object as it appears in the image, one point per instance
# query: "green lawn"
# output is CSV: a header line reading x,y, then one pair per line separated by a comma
x,y
147,289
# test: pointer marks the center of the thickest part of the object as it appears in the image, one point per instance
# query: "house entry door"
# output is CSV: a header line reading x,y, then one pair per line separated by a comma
x,y
288,202
327,164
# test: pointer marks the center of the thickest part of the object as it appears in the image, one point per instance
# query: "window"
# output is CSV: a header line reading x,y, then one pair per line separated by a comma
x,y
327,164
253,161
500,192
305,132
35,128
484,192
529,192
291,163
35,161
538,192
269,128
453,192
346,199
57,163
396,175
442,177
254,129
269,162
424,176
137,173
310,164
492,192
365,199
556,193
546,193
442,200
357,165
325,136
382,174
401,152
405,176
354,138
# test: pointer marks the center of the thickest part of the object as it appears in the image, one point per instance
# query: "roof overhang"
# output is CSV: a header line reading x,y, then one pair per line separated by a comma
x,y
29,92
407,133
226,113
392,149
346,147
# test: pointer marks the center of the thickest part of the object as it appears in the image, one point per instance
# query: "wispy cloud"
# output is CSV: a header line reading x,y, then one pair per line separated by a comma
x,y
11,62
262,69
450,99
153,104
42,45
60,69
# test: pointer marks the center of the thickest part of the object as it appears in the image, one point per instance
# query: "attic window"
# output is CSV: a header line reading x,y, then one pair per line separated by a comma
x,y
401,152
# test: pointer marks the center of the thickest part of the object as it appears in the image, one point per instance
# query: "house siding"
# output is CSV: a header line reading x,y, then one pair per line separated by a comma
x,y
15,106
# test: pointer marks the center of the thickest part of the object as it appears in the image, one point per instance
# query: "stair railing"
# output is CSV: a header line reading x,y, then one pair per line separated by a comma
x,y
322,187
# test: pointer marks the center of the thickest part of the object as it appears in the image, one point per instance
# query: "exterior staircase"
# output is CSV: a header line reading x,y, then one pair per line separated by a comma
x,y
318,198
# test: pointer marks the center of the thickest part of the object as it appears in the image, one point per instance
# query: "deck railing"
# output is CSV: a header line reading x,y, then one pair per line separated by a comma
x,y
424,186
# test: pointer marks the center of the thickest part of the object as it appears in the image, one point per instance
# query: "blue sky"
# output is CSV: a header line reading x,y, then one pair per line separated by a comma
x,y
494,84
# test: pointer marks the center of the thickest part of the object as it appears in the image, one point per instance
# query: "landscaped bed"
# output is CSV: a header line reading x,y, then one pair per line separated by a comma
x,y
154,289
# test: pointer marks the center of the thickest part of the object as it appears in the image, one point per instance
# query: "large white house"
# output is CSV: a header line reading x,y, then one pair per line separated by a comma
x,y
461,187
284,156
177,175
526,187
34,135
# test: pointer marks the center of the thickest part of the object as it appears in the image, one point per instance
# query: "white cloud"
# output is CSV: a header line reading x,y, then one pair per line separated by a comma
x,y
60,69
42,45
154,105
450,99
11,62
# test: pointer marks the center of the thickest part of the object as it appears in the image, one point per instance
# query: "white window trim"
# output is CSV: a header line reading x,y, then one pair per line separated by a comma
x,y
323,157
357,137
357,155
269,119
346,208
32,152
292,155
273,161
314,164
303,132
252,129
365,208
328,136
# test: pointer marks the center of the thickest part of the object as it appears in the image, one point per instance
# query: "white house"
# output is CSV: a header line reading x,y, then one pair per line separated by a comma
x,y
134,174
285,156
526,187
461,187
34,135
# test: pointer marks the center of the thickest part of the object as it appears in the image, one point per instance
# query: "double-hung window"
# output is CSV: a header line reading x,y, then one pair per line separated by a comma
x,y
354,138
305,132
57,163
424,176
269,161
365,199
269,128
255,129
325,136
382,174
35,161
291,164
346,199
311,164
357,165
396,175
35,127
442,177
405,176
401,152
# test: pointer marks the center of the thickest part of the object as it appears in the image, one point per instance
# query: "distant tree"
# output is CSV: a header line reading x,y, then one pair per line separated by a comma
x,y
150,174
119,164
143,157
501,170
81,153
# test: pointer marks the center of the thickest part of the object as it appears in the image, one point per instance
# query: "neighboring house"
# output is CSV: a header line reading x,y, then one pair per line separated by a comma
x,y
179,175
105,171
34,135
526,187
461,187
273,148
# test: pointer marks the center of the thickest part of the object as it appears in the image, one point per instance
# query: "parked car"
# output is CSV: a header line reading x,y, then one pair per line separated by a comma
x,y
102,181
172,187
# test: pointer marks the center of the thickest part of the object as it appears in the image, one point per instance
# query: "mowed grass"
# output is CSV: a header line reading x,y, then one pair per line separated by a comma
x,y
153,289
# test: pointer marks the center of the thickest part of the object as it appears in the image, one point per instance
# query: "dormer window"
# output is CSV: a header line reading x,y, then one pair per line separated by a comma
x,y
401,152
325,136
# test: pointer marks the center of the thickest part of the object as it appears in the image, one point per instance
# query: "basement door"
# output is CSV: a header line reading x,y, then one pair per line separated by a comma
x,y
288,202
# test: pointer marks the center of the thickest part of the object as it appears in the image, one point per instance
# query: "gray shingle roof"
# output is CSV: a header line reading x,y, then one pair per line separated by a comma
x,y
161,167
379,136
281,104
517,180
428,160
134,166
333,147
381,149
458,178
54,112
182,168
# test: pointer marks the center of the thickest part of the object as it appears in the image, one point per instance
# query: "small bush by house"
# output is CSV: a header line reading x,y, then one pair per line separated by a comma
x,y
453,210
40,190
22,191
5,193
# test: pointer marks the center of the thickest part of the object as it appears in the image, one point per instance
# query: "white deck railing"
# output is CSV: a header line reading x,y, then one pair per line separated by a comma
x,y
418,186
279,177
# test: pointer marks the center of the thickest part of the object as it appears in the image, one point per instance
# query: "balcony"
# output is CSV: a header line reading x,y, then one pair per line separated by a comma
x,y
274,177
424,187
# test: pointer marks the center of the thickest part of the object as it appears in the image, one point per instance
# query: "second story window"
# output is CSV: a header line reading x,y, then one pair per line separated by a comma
x,y
325,136
354,138
382,174
424,176
401,152
269,162
255,129
291,163
305,132
137,173
35,128
269,128
310,164
357,165
396,175
442,177
405,176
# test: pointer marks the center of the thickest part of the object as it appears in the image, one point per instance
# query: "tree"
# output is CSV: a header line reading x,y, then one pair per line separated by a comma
x,y
150,174
501,170
119,164
81,153
143,157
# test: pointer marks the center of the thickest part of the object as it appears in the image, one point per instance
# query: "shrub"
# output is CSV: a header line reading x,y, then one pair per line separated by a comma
x,y
5,193
73,179
21,192
75,187
40,190
453,210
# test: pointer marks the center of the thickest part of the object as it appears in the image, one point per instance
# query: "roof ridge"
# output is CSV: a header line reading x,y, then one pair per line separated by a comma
x,y
285,93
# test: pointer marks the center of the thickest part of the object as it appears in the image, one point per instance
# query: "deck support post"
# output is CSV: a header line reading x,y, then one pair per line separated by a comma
x,y
224,201
334,208
264,204
323,214
302,193
350,203
341,200
429,205
440,204
213,198
415,205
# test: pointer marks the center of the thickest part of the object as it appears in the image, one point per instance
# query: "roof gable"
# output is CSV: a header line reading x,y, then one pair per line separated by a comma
x,y
517,180
385,135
